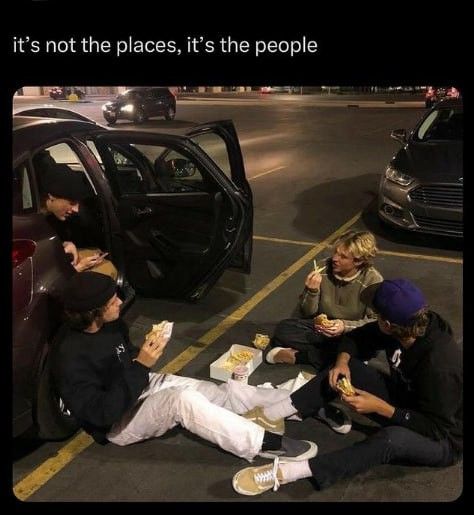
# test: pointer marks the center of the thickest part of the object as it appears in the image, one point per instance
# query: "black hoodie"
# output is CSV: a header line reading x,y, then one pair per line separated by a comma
x,y
426,383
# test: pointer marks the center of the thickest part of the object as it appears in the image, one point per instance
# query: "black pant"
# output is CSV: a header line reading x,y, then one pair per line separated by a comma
x,y
389,445
313,348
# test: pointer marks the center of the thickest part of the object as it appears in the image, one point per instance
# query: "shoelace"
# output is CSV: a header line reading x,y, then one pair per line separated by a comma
x,y
269,475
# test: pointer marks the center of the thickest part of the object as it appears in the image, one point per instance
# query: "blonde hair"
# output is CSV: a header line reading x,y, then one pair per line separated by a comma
x,y
361,245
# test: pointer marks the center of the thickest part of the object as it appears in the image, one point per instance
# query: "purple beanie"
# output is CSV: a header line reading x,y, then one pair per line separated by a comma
x,y
398,301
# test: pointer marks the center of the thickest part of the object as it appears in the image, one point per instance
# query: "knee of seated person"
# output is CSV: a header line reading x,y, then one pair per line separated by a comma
x,y
188,397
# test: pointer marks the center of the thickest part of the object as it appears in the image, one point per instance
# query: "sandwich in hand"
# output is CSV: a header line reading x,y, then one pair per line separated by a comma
x,y
164,328
323,320
344,386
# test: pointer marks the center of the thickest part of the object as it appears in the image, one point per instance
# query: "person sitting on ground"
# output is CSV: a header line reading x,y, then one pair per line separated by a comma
x,y
109,387
337,291
419,406
63,191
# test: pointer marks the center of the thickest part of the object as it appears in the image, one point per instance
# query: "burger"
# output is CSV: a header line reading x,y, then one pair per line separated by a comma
x,y
344,386
323,320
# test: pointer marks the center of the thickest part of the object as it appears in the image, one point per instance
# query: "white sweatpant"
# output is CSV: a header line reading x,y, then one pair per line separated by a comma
x,y
204,408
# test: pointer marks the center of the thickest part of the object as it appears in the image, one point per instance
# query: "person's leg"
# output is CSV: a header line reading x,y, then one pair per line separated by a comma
x,y
192,410
169,407
392,444
297,334
317,392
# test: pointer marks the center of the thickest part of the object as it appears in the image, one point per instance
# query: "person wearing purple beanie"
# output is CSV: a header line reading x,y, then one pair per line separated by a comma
x,y
419,406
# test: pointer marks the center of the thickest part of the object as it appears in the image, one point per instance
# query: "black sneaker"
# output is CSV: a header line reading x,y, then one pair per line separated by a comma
x,y
292,450
335,418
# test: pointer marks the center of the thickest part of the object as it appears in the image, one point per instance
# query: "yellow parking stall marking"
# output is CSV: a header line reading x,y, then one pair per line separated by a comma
x,y
280,240
420,256
46,471
380,252
41,475
267,172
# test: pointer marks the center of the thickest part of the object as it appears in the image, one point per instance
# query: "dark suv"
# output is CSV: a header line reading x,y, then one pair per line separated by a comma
x,y
173,211
139,104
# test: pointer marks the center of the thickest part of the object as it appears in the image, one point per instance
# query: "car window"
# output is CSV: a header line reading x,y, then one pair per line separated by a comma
x,y
22,193
173,171
215,148
442,124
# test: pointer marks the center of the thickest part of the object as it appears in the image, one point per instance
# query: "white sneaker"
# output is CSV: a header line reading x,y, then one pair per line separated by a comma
x,y
335,418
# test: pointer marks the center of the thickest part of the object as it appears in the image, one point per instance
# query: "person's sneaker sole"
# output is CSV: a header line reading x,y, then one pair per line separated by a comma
x,y
342,429
310,453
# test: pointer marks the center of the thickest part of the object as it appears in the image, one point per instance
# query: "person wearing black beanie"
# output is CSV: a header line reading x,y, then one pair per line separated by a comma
x,y
63,190
109,387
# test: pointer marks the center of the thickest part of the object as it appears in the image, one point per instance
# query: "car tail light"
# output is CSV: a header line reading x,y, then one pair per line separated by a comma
x,y
22,249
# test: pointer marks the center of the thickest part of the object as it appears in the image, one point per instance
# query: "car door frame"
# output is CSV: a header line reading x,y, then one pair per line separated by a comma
x,y
241,211
225,129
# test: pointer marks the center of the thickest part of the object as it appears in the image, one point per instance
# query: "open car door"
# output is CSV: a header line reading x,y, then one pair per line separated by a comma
x,y
220,142
182,218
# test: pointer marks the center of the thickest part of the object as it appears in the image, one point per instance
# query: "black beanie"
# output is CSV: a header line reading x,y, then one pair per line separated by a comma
x,y
88,290
62,182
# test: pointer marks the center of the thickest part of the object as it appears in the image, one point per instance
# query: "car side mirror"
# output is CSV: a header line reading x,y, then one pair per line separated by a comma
x,y
180,167
399,135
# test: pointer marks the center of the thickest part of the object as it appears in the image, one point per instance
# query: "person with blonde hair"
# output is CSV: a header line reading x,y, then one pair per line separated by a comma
x,y
340,290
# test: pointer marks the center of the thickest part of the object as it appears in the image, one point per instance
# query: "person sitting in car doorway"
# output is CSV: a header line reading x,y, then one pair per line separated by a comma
x,y
334,289
63,192
108,384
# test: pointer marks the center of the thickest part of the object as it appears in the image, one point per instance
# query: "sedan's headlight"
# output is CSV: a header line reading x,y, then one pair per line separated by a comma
x,y
128,108
392,174
105,107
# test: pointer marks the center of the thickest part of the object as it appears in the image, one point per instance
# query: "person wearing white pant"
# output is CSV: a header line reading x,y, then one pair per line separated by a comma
x,y
107,385
202,407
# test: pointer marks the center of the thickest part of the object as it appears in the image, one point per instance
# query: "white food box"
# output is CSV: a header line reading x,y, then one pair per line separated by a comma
x,y
216,370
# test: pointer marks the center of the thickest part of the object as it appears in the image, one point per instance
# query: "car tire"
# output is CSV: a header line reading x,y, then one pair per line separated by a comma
x,y
110,119
53,421
170,113
139,116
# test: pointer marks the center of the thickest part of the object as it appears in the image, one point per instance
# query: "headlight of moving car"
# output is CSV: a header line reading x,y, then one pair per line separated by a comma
x,y
394,175
128,108
105,107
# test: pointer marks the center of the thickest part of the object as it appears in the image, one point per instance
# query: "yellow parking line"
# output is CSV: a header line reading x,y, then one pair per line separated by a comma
x,y
421,256
265,173
46,471
381,252
41,475
279,240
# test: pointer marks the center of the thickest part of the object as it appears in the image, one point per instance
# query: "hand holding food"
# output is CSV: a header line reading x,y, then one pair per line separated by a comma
x,y
323,321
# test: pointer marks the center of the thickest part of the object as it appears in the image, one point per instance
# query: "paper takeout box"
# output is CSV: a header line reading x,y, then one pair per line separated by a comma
x,y
216,370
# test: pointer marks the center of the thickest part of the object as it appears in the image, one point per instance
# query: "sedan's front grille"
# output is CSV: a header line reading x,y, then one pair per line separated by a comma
x,y
445,195
449,227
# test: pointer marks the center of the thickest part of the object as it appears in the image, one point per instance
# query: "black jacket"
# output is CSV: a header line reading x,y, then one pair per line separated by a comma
x,y
426,383
98,381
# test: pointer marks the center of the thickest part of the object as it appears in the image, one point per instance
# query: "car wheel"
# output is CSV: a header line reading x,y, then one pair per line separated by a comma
x,y
110,119
170,113
53,420
139,116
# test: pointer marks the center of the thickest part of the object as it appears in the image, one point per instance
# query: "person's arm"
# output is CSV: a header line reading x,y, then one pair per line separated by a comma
x,y
309,298
363,341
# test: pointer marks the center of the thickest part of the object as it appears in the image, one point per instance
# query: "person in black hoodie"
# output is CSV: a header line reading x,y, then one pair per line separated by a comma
x,y
109,388
419,406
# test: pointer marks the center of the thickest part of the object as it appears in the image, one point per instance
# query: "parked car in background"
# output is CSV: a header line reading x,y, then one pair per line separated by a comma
x,y
139,104
422,187
63,92
173,212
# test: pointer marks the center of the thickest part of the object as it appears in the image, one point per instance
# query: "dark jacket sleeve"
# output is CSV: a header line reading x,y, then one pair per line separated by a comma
x,y
439,398
363,342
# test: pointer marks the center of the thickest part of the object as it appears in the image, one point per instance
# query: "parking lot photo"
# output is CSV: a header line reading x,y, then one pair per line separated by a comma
x,y
218,209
